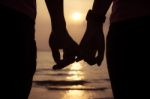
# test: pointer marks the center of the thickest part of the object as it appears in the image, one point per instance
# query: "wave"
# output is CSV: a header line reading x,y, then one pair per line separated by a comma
x,y
70,85
84,88
60,82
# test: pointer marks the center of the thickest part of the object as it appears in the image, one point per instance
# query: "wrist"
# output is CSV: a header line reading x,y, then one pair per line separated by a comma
x,y
95,18
59,28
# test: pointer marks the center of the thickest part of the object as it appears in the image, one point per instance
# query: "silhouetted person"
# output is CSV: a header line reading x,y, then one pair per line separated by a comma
x,y
127,47
17,21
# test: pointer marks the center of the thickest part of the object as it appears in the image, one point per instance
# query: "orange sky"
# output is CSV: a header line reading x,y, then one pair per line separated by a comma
x,y
75,12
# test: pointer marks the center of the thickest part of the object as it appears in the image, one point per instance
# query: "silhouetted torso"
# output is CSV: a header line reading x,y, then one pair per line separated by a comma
x,y
127,9
27,7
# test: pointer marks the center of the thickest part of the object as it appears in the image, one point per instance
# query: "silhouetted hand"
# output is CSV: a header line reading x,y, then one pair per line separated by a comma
x,y
92,45
61,40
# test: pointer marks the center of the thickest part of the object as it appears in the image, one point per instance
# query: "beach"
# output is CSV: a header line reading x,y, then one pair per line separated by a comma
x,y
77,81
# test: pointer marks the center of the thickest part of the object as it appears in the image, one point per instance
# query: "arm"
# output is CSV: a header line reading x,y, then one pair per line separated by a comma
x,y
60,38
100,7
56,11
93,40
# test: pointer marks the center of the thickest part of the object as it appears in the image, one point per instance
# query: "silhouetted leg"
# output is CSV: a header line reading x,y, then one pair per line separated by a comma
x,y
127,52
20,52
28,46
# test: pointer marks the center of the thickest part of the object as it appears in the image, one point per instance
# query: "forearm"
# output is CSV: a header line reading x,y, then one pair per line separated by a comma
x,y
56,11
100,7
96,15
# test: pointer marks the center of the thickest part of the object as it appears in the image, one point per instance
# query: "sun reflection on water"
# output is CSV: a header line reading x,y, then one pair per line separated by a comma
x,y
75,72
75,94
76,75
76,66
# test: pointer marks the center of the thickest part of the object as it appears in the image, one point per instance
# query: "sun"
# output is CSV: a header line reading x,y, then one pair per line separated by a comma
x,y
76,16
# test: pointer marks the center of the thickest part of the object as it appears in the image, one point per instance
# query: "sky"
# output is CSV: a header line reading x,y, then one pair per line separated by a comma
x,y
75,12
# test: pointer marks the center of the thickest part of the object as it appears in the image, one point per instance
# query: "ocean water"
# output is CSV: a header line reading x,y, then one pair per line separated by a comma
x,y
77,81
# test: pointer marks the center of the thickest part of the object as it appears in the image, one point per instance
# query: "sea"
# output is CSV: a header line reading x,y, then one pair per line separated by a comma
x,y
76,81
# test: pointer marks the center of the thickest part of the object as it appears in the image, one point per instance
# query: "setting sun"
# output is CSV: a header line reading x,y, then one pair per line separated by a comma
x,y
76,16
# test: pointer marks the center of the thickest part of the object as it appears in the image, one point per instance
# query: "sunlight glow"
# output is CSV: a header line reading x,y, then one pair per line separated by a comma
x,y
76,16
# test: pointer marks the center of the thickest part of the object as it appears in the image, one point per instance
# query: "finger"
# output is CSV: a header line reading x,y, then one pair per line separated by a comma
x,y
62,64
90,57
55,52
53,43
68,58
56,55
79,57
99,60
68,55
100,56
90,61
80,54
70,50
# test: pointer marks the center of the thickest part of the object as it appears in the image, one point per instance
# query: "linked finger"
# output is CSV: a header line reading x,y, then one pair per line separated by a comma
x,y
56,55
100,56
90,57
